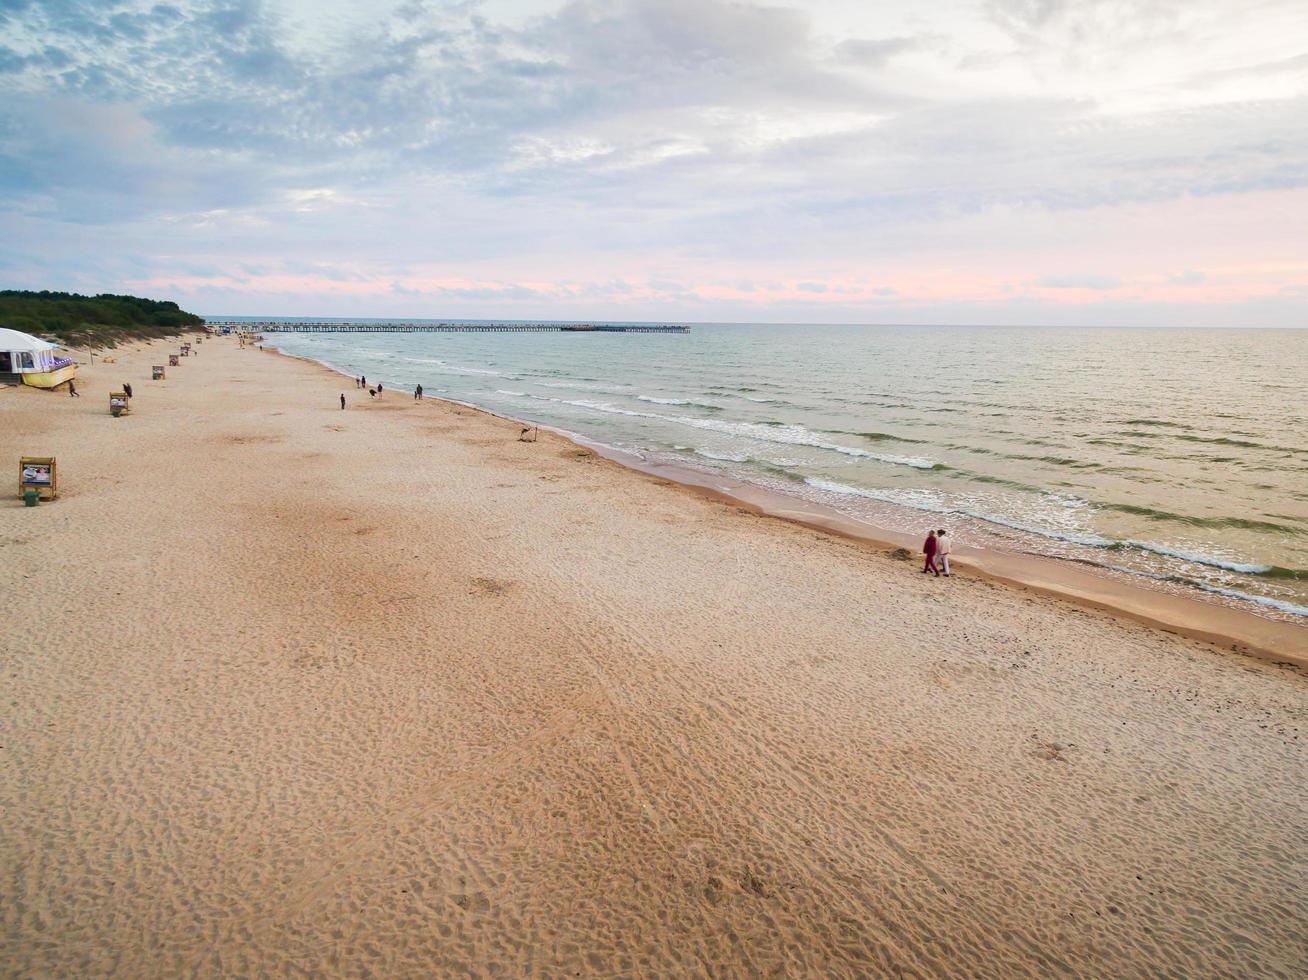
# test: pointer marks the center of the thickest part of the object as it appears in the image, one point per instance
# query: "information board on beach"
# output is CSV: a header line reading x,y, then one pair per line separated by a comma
x,y
37,473
157,372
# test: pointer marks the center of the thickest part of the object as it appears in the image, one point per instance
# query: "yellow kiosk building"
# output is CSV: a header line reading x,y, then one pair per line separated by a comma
x,y
32,361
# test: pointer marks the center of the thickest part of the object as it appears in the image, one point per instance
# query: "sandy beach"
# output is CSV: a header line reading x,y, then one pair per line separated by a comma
x,y
388,692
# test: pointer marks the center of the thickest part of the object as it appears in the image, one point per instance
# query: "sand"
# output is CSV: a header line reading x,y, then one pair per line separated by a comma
x,y
387,692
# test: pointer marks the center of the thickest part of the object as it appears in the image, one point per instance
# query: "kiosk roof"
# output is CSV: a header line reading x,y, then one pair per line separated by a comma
x,y
13,340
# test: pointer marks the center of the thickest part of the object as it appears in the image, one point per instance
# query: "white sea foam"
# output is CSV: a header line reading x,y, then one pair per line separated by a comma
x,y
786,435
935,506
678,401
1199,558
664,401
724,457
794,435
917,500
1259,600
578,386
595,406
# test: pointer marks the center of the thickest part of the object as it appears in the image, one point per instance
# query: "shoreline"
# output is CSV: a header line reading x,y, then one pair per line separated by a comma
x,y
1234,630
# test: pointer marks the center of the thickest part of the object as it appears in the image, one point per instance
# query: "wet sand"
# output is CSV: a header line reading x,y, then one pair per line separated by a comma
x,y
387,691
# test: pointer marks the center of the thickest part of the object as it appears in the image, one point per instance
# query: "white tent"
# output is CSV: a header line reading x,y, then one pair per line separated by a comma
x,y
35,359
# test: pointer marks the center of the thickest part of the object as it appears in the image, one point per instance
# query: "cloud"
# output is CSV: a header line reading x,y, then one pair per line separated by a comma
x,y
660,144
875,52
1083,281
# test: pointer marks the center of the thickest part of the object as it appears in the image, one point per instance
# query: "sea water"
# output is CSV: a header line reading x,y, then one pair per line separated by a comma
x,y
1177,458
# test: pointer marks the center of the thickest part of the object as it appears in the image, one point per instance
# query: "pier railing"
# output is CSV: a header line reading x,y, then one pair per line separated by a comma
x,y
297,326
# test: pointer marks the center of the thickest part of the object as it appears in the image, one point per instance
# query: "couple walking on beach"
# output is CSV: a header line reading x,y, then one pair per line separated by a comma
x,y
937,546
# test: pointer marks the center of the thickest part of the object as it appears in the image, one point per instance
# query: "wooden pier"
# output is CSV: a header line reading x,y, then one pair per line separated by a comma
x,y
296,326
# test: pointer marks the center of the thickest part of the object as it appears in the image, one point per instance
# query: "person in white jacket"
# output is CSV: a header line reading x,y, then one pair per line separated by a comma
x,y
942,550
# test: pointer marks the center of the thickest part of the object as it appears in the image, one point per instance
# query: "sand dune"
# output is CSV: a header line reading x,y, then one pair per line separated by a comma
x,y
387,692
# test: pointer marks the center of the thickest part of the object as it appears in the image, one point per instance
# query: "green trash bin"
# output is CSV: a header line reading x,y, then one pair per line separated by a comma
x,y
31,497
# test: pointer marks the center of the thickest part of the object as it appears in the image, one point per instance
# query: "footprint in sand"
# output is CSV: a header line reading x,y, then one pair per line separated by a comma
x,y
1052,751
477,902
491,586
753,884
714,890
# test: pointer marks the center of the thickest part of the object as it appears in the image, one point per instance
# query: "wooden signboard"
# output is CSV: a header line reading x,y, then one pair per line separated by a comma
x,y
37,473
157,372
173,360
119,403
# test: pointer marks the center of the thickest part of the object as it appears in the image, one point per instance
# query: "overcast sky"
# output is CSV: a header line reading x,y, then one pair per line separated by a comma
x,y
994,161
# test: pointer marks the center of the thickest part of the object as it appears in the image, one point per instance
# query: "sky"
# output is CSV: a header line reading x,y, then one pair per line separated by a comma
x,y
1061,162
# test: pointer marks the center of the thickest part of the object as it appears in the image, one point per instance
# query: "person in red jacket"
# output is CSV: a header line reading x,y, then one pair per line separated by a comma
x,y
929,549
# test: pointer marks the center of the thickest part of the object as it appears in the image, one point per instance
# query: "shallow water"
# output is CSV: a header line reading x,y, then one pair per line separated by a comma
x,y
1178,457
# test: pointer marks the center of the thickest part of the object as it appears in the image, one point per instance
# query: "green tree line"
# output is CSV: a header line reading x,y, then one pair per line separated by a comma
x,y
98,321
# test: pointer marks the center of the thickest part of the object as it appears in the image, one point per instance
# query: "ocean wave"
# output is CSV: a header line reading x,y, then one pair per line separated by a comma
x,y
1260,600
877,436
595,406
678,401
1199,558
899,499
579,386
796,435
723,457
444,367
777,432
1158,422
663,401
506,391
1244,523
1242,444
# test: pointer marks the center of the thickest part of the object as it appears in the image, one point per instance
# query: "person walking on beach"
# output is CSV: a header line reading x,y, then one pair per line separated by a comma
x,y
929,549
358,382
363,381
379,389
942,549
72,389
417,393
342,401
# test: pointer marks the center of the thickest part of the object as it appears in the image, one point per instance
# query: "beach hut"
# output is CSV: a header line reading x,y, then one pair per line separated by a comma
x,y
32,361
